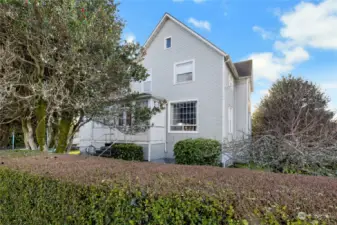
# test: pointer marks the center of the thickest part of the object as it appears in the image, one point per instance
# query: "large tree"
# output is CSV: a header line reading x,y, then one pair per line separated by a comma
x,y
63,63
294,108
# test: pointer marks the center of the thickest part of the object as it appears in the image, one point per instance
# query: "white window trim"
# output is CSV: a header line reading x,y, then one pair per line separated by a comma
x,y
175,75
231,81
230,120
165,42
149,78
169,117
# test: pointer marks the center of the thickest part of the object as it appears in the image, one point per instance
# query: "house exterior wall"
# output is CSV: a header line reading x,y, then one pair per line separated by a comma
x,y
206,89
158,151
229,101
158,129
241,110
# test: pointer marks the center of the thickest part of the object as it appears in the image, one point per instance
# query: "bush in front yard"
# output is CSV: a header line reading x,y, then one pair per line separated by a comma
x,y
131,152
105,191
198,152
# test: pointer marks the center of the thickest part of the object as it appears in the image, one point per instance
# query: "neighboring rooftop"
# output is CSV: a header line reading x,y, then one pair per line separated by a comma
x,y
244,68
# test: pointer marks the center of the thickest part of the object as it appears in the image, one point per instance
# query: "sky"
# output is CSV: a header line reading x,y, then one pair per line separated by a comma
x,y
281,36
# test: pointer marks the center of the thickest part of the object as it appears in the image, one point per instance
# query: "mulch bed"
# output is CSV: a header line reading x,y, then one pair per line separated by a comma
x,y
248,189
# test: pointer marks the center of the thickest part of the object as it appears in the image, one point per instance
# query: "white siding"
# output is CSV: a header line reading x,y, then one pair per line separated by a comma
x,y
207,87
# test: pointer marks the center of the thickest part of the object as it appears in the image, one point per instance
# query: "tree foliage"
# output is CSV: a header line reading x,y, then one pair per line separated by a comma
x,y
64,62
294,106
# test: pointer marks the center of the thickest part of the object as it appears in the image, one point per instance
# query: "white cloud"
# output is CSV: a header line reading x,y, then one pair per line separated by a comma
x,y
202,24
330,85
130,37
312,25
264,92
265,34
268,66
307,25
296,55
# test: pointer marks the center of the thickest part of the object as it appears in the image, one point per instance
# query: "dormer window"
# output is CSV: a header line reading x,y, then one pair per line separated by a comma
x,y
168,42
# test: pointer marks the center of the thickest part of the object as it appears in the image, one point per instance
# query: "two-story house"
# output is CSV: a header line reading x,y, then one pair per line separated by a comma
x,y
207,94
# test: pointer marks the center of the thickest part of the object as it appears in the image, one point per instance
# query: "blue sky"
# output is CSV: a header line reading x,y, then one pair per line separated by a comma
x,y
281,36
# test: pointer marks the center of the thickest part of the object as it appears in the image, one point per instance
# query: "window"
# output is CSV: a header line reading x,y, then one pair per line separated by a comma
x,y
124,119
230,81
147,84
184,72
230,120
168,42
183,116
98,125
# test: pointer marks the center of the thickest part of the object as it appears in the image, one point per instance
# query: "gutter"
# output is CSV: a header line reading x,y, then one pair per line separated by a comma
x,y
231,66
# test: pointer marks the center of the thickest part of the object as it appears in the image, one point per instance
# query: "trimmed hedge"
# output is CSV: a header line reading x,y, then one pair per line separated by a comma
x,y
198,151
131,152
33,199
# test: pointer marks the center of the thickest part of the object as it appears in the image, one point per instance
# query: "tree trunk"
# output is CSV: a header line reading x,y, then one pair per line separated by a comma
x,y
41,114
64,127
25,133
31,140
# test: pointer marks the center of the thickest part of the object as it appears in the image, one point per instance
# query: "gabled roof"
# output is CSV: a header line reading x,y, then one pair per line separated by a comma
x,y
166,17
227,58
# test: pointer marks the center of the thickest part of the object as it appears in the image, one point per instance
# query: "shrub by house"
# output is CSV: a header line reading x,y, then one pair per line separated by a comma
x,y
198,151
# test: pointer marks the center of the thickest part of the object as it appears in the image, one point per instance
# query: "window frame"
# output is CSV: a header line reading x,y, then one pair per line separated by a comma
x,y
148,79
230,81
165,46
169,117
230,120
175,73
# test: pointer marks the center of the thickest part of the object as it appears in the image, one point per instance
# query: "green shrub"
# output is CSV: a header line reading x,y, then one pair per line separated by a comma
x,y
198,152
130,152
33,199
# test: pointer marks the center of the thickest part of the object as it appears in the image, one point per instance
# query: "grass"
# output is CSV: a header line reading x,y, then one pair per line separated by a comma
x,y
18,153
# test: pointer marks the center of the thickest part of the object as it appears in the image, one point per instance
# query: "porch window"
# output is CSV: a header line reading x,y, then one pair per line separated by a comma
x,y
183,116
125,117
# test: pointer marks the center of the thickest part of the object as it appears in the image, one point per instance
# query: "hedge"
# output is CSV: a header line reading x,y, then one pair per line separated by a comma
x,y
131,152
65,189
198,151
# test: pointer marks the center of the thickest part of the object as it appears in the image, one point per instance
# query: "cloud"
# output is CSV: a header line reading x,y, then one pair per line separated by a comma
x,y
268,66
265,34
130,37
308,24
264,92
312,25
202,24
295,55
178,0
330,85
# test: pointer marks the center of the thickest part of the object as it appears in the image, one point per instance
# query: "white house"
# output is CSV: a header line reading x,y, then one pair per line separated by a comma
x,y
207,94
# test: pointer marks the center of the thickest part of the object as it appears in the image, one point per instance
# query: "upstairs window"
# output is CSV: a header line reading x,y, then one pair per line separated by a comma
x,y
230,81
184,72
168,42
230,120
147,84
